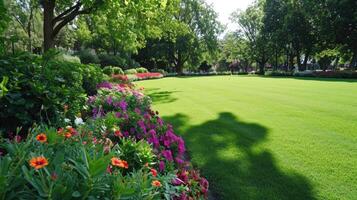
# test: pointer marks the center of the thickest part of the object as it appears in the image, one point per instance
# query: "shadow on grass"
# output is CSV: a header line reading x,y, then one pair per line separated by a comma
x,y
227,153
158,96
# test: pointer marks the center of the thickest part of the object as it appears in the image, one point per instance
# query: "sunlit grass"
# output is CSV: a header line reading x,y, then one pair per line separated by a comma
x,y
266,138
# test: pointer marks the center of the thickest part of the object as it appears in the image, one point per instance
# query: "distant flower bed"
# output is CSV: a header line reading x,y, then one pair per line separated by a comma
x,y
136,77
148,75
121,150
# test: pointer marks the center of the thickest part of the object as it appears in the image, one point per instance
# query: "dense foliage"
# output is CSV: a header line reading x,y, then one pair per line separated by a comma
x,y
122,150
38,90
294,35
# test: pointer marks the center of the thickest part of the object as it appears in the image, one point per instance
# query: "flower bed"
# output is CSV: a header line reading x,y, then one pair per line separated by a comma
x,y
142,76
136,77
123,150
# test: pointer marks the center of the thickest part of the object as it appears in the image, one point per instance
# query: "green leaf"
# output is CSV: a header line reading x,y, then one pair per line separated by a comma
x,y
76,194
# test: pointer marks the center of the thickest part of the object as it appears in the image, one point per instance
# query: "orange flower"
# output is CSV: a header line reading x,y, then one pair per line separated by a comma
x,y
41,137
67,135
153,172
38,162
156,183
119,163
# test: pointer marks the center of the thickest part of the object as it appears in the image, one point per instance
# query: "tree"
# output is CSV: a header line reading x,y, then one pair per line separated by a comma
x,y
58,14
235,49
337,24
188,36
251,24
3,17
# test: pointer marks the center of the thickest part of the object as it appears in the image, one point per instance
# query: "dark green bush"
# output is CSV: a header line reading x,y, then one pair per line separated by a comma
x,y
130,71
278,73
88,57
118,70
108,70
38,91
141,70
92,76
67,58
111,60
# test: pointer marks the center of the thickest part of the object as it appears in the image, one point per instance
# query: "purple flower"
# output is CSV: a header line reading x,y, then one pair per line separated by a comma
x,y
118,114
105,85
91,99
179,161
168,155
123,105
160,121
153,140
181,145
137,110
110,100
161,166
152,132
142,125
126,134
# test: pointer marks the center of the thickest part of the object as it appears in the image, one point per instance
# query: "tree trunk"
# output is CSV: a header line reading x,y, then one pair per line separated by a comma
x,y
298,60
29,33
261,68
307,54
48,15
179,67
276,60
353,63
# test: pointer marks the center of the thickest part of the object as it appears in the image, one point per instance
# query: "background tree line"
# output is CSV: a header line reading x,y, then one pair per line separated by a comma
x,y
294,34
162,34
180,35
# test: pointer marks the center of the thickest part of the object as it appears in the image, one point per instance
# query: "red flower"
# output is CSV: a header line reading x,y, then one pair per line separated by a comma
x,y
153,172
118,133
41,138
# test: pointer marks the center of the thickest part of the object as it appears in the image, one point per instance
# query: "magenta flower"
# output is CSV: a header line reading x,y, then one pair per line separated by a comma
x,y
167,154
110,100
123,105
161,166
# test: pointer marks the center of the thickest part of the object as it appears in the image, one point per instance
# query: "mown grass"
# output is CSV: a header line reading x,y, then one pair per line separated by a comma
x,y
266,138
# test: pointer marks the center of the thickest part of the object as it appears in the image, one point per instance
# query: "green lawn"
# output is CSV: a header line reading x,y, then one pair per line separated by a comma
x,y
266,138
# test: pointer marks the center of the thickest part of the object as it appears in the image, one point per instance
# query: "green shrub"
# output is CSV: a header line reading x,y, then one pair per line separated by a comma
x,y
92,76
111,60
38,90
130,71
118,70
75,165
88,57
62,57
141,70
278,73
108,70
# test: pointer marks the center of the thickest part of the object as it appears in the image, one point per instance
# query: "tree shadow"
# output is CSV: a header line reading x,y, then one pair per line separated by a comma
x,y
158,96
227,152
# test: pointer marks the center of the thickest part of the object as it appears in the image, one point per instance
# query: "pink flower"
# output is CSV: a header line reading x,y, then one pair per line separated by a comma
x,y
161,166
167,154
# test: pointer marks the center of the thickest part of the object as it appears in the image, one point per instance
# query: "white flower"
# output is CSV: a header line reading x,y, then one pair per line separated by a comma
x,y
67,120
78,121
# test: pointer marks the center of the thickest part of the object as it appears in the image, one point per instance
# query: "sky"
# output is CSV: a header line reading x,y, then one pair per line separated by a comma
x,y
224,8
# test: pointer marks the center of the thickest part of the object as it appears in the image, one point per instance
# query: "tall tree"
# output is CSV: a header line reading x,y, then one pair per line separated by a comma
x,y
251,24
58,14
